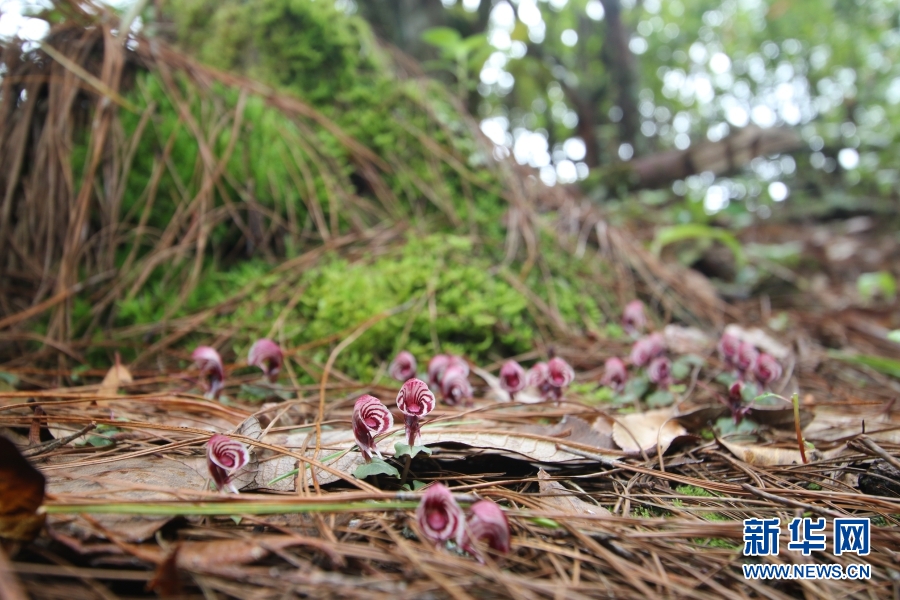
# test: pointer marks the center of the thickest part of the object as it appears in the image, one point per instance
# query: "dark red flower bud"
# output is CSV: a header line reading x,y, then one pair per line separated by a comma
x,y
415,401
403,366
439,516
660,372
736,392
224,457
210,364
370,418
615,374
633,319
487,523
647,348
512,378
768,369
266,355
455,386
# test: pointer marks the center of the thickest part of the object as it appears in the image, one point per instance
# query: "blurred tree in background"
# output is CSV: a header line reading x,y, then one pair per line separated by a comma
x,y
576,87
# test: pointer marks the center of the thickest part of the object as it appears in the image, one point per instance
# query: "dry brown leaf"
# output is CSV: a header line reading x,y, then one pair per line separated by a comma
x,y
761,340
145,479
687,340
115,378
575,430
766,456
557,497
212,557
21,494
638,432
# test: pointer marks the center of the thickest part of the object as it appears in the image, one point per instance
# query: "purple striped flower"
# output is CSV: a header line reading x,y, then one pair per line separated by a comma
x,y
211,369
370,418
415,401
633,319
746,358
439,516
512,378
647,348
767,369
487,523
224,457
559,372
267,355
403,366
660,372
455,387
728,347
615,374
436,368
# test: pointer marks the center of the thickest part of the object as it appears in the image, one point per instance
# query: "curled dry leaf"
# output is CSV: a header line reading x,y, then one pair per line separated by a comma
x,y
638,432
686,340
766,456
557,497
21,494
760,339
115,378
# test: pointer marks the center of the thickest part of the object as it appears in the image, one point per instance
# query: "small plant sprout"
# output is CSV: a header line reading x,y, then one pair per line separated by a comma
x,y
267,355
647,348
415,401
224,457
439,516
660,372
403,366
370,418
512,378
633,320
455,387
488,524
436,368
211,370
615,374
767,370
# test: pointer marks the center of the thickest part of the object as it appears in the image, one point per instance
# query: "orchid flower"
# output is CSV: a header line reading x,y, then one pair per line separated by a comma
x,y
415,401
210,364
767,369
224,457
615,374
370,418
746,358
487,523
403,366
537,375
633,319
647,348
455,387
660,372
436,368
729,346
439,516
267,355
512,378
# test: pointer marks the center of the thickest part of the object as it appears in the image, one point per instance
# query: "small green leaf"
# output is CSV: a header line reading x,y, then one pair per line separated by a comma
x,y
894,336
660,398
885,366
401,449
882,283
376,467
237,519
696,231
545,522
442,37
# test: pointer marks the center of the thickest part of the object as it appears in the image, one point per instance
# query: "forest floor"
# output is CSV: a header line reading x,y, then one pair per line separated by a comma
x,y
607,496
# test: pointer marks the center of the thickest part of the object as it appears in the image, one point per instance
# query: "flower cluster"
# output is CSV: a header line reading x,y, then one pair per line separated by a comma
x,y
440,518
264,353
551,378
450,375
747,362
